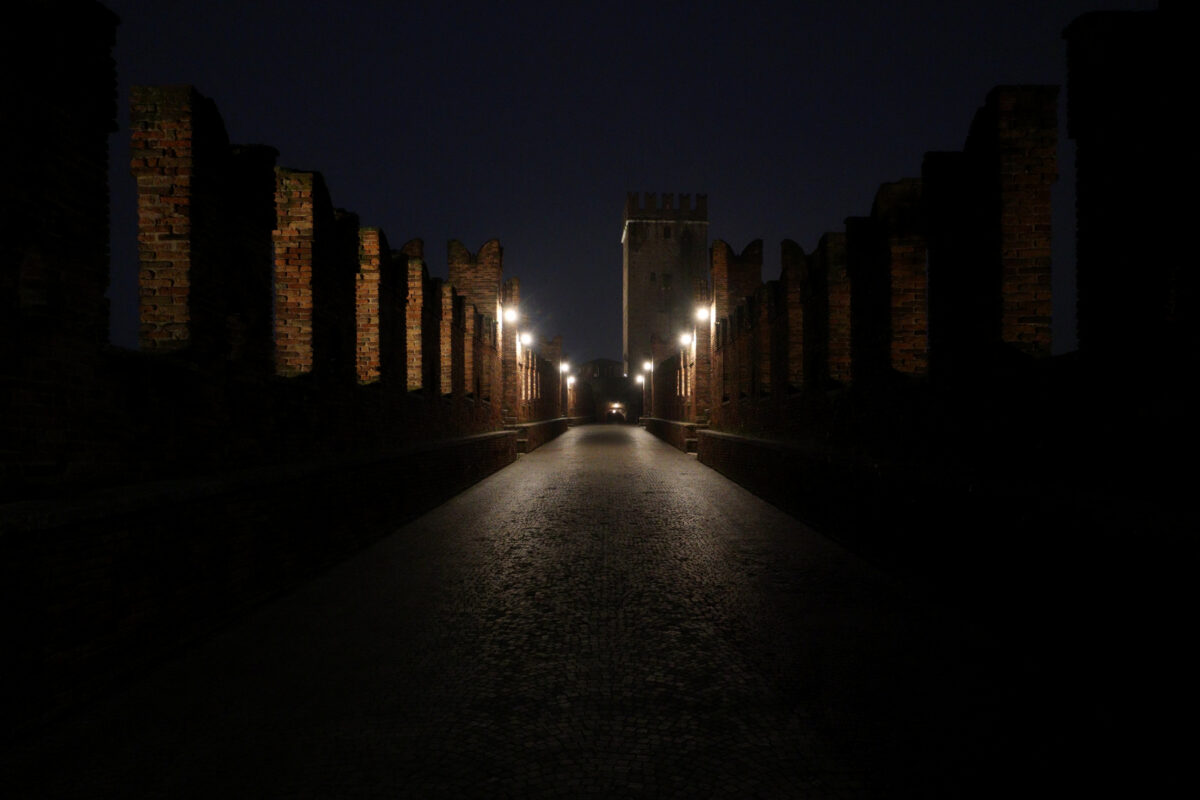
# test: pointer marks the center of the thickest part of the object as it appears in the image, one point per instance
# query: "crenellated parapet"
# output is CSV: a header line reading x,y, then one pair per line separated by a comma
x,y
477,276
667,206
248,272
264,427
734,276
949,271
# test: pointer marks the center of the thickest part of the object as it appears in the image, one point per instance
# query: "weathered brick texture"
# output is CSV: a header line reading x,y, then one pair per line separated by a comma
x,y
372,305
298,196
165,140
734,277
205,215
989,227
420,337
446,303
797,290
1026,144
477,276
899,218
832,258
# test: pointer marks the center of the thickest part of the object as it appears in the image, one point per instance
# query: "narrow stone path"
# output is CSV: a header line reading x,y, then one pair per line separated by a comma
x,y
604,618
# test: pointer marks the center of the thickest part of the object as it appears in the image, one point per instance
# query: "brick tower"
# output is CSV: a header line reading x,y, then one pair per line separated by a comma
x,y
665,254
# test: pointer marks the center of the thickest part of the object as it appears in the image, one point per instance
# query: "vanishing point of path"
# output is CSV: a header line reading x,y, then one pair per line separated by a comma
x,y
604,618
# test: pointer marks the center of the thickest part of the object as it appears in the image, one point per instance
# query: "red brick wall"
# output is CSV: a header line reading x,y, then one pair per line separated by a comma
x,y
296,197
831,256
734,277
205,216
477,277
1026,145
165,138
735,280
989,227
373,257
799,345
899,220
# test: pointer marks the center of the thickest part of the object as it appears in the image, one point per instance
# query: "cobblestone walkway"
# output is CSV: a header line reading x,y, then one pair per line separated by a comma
x,y
604,618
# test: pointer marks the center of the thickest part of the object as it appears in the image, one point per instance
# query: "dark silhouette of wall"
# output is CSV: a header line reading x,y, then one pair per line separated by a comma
x,y
300,387
911,407
1129,81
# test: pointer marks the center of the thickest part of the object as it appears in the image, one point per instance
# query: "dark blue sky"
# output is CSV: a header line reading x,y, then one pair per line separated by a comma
x,y
528,122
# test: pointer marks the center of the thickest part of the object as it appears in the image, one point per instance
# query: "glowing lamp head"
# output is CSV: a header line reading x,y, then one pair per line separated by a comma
x,y
648,366
641,379
571,380
510,314
702,313
526,339
685,339
563,367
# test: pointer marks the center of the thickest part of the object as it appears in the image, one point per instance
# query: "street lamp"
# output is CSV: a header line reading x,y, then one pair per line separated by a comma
x,y
641,379
510,314
648,368
702,313
685,339
563,366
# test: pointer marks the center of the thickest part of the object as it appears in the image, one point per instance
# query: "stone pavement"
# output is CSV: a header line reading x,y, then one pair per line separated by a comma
x,y
604,618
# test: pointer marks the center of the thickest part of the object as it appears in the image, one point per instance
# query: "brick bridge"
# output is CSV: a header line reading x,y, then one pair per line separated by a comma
x,y
607,617
605,614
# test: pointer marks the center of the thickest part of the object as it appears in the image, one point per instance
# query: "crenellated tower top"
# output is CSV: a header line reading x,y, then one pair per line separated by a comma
x,y
647,206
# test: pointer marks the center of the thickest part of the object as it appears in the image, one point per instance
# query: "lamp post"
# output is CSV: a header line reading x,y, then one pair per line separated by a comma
x,y
641,378
648,368
562,403
685,389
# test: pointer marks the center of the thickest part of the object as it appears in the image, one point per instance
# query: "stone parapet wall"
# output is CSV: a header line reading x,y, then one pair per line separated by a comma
x,y
680,435
112,579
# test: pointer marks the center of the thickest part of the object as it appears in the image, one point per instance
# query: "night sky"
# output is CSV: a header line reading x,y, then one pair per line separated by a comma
x,y
528,122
